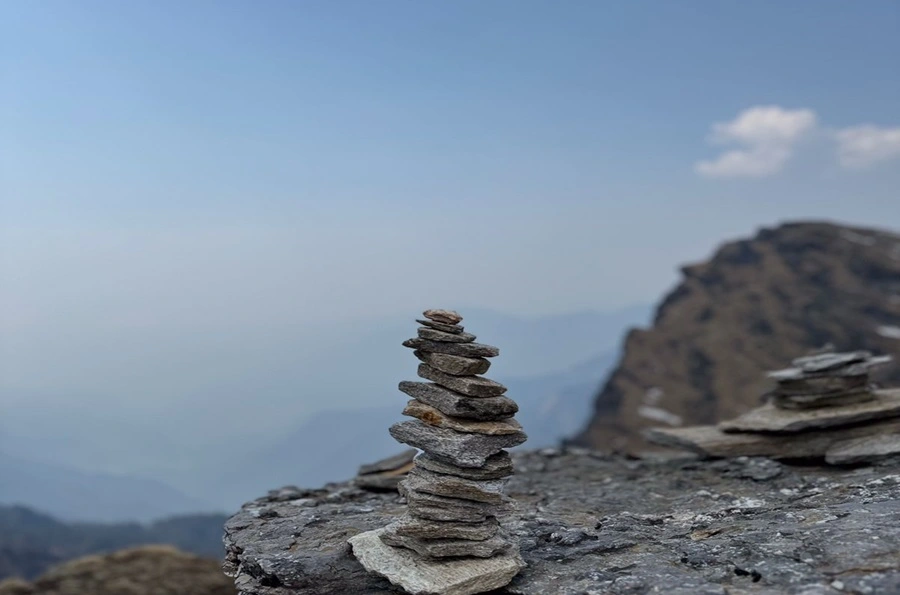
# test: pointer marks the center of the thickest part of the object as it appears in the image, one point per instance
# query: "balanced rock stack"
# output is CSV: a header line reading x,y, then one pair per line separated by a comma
x,y
823,407
450,537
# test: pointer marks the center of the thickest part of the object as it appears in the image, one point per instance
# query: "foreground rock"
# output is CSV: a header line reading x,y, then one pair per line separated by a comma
x,y
593,524
149,570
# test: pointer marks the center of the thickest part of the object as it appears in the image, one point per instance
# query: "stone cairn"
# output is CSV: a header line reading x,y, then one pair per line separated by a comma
x,y
450,535
822,407
826,379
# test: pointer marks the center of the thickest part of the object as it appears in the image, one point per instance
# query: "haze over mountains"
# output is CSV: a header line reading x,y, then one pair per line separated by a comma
x,y
553,364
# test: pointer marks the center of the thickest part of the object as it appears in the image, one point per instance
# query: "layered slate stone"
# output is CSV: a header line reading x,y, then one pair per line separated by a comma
x,y
489,491
496,467
443,316
452,403
449,548
425,529
457,365
423,576
454,490
471,386
431,334
458,448
463,349
447,328
435,417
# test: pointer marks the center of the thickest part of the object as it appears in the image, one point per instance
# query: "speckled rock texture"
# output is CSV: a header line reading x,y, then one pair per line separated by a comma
x,y
590,524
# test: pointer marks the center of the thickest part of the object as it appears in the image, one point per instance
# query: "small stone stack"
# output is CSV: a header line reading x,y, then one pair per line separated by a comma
x,y
825,380
454,492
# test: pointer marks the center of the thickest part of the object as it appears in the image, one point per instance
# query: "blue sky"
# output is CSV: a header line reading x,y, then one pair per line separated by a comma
x,y
174,170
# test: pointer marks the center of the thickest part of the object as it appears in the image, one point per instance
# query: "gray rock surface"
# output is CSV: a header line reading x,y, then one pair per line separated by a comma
x,y
457,448
457,405
471,386
454,364
463,349
600,524
435,417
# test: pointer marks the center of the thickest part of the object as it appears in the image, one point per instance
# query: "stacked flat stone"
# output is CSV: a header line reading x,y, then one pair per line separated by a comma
x,y
825,380
463,423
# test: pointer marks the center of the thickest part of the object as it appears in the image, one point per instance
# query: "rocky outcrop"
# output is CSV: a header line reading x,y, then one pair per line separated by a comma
x,y
756,304
148,570
590,523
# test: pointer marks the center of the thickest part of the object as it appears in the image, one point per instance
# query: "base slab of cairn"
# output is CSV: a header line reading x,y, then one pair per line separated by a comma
x,y
450,542
421,576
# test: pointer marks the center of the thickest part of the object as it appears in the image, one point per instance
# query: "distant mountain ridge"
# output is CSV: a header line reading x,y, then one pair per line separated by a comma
x,y
754,306
78,496
31,542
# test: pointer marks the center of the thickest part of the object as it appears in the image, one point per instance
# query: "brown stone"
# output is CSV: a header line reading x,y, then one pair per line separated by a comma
x,y
435,417
444,316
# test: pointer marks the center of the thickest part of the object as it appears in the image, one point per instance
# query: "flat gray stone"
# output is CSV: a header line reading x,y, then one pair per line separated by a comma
x,y
457,405
769,418
406,569
432,334
440,508
447,328
443,316
868,449
496,467
471,386
435,417
454,364
408,526
488,491
814,401
463,450
463,349
449,548
821,385
390,463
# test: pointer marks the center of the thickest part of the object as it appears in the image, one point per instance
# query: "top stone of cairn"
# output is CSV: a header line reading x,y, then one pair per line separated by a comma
x,y
443,316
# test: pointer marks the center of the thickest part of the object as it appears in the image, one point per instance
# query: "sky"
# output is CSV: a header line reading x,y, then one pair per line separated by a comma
x,y
174,170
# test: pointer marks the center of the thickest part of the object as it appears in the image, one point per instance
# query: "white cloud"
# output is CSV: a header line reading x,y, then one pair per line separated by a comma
x,y
767,134
863,146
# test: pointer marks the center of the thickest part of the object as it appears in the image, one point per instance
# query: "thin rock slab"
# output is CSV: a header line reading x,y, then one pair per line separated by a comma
x,y
771,419
496,467
440,508
456,365
488,491
820,401
406,569
432,334
454,404
391,463
471,386
710,441
443,316
450,548
447,328
868,449
409,526
463,349
435,417
457,448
